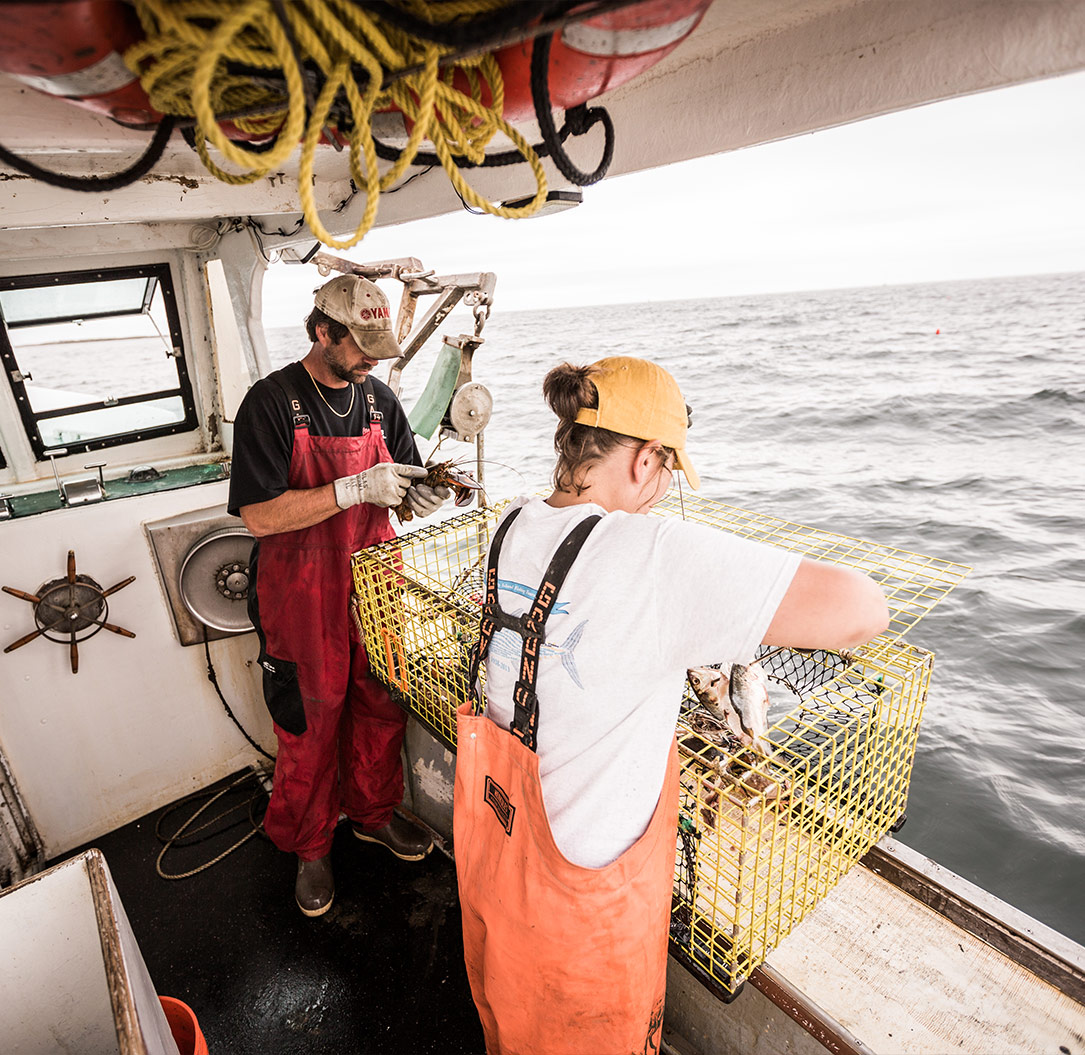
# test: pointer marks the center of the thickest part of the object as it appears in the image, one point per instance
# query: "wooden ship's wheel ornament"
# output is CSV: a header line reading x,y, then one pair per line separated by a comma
x,y
70,610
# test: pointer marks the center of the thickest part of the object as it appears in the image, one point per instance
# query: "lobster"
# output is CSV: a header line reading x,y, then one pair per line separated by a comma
x,y
443,474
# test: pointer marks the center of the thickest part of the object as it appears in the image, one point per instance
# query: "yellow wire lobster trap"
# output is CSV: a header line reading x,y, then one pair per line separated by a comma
x,y
761,838
418,599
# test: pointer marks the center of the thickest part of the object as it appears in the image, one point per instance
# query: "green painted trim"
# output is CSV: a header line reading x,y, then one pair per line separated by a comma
x,y
171,480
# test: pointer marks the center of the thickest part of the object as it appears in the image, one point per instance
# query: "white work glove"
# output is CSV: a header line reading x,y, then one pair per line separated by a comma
x,y
384,485
424,499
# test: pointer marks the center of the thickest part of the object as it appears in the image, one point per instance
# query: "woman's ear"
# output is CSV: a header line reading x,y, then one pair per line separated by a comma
x,y
646,460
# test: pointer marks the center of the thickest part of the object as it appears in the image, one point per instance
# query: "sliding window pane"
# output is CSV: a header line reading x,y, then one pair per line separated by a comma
x,y
70,429
74,300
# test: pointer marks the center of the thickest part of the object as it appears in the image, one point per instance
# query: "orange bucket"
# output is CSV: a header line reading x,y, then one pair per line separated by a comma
x,y
184,1027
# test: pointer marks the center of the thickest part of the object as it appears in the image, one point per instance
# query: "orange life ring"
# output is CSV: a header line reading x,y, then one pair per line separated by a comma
x,y
587,58
74,51
597,54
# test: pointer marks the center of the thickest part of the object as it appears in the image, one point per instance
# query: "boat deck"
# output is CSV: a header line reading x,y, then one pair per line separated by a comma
x,y
382,971
902,978
872,967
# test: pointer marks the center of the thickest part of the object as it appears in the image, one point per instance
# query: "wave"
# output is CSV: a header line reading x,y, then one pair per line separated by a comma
x,y
1058,395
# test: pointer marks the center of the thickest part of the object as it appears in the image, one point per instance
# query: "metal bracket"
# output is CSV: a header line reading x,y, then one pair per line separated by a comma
x,y
52,455
78,492
475,289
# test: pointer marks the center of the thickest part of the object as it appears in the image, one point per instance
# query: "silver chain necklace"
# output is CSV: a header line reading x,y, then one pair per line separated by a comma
x,y
345,414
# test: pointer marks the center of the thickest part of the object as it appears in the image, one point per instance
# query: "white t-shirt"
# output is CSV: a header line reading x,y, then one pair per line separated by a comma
x,y
646,598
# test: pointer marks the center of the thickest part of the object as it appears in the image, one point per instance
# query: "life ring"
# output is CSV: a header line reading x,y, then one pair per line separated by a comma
x,y
74,51
587,58
597,54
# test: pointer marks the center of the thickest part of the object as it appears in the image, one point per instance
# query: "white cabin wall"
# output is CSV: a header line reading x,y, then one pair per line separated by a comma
x,y
244,270
195,308
140,724
14,442
234,377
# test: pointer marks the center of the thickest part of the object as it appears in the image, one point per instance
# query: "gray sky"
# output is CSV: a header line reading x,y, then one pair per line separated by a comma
x,y
990,184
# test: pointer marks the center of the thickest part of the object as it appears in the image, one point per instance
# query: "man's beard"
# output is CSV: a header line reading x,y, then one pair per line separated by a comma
x,y
334,361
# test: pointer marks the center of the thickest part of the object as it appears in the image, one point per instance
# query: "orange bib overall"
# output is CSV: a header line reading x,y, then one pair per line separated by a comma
x,y
562,959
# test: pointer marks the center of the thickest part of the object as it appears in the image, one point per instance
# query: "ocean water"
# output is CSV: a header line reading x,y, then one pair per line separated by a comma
x,y
945,418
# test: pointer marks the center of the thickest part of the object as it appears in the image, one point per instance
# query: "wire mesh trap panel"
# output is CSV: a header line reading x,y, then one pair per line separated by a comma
x,y
418,599
762,836
912,583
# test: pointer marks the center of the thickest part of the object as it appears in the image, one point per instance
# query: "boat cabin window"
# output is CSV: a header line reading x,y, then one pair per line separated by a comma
x,y
95,359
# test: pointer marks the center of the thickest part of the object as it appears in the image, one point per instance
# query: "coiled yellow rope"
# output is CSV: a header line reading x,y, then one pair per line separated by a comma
x,y
184,67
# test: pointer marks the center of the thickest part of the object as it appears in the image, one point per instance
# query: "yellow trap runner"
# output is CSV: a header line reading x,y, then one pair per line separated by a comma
x,y
761,838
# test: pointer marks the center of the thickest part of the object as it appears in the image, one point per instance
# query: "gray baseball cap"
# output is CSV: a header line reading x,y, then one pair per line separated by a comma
x,y
360,306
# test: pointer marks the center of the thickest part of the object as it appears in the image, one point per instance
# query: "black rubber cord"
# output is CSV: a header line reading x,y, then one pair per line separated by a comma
x,y
97,183
506,157
213,678
578,120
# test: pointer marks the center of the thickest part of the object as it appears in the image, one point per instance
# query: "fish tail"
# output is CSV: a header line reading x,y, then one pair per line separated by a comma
x,y
574,638
567,648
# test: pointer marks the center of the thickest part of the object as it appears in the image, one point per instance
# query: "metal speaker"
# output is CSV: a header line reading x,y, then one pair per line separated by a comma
x,y
214,580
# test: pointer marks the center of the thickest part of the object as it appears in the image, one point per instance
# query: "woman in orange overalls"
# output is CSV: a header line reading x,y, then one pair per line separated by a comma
x,y
567,776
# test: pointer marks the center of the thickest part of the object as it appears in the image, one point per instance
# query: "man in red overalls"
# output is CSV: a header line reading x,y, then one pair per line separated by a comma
x,y
322,451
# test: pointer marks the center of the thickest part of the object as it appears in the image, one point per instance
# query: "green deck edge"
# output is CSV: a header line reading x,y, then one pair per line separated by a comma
x,y
170,480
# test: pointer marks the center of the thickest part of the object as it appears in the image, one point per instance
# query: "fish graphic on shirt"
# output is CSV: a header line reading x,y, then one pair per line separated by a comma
x,y
523,590
507,644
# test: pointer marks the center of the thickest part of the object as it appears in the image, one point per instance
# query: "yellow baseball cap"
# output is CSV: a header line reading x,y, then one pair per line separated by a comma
x,y
362,307
640,399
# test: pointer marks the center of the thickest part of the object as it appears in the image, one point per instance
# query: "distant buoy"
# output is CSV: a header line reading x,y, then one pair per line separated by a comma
x,y
936,332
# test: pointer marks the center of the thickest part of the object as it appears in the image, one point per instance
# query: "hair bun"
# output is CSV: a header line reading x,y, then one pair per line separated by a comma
x,y
567,388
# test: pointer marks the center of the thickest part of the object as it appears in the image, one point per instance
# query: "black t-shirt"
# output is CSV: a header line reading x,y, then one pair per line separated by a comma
x,y
264,429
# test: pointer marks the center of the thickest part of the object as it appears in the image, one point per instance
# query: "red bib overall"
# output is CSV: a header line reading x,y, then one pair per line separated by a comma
x,y
562,959
342,751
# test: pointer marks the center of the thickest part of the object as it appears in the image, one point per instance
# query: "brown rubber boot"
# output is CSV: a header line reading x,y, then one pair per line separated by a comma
x,y
406,840
315,886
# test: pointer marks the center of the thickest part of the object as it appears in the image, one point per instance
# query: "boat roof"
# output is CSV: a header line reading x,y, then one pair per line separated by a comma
x,y
753,71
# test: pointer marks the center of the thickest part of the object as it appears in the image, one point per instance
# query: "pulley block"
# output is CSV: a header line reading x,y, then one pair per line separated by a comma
x,y
469,410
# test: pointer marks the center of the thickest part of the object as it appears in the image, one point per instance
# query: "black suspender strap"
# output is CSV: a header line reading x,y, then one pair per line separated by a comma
x,y
375,417
490,608
299,418
531,626
525,719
